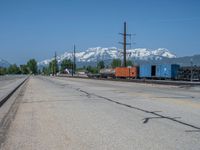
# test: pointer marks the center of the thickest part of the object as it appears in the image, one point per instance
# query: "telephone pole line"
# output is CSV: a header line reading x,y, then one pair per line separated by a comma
x,y
54,65
74,65
74,61
125,44
191,71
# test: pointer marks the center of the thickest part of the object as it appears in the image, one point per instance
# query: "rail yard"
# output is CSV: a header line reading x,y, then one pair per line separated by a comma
x,y
42,112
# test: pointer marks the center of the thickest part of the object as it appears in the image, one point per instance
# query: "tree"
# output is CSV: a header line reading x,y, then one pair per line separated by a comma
x,y
45,70
32,66
13,69
50,68
3,71
66,64
53,67
116,63
92,70
129,63
100,65
24,69
39,71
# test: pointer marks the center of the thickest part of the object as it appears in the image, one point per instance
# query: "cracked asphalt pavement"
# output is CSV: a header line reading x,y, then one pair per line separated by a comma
x,y
68,113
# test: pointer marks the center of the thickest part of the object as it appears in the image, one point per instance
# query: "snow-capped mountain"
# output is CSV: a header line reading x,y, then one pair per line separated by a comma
x,y
4,63
106,54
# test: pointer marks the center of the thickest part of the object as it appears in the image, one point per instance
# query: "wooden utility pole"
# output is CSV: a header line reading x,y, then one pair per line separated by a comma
x,y
124,44
74,59
191,71
54,65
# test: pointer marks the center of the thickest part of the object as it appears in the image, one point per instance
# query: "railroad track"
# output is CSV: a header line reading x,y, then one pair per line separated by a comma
x,y
165,82
4,99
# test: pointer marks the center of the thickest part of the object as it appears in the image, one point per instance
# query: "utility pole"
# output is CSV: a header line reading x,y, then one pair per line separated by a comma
x,y
54,65
191,61
74,65
74,61
124,44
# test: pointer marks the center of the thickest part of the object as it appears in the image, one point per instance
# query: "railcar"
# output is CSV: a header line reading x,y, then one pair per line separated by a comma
x,y
126,72
148,71
160,71
189,73
119,72
107,73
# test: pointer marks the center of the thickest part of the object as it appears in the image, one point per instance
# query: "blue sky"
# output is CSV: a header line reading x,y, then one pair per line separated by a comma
x,y
38,28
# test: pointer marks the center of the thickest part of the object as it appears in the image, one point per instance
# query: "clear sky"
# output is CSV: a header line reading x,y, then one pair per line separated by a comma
x,y
38,28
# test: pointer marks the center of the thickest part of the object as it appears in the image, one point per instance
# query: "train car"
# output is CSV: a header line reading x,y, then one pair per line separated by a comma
x,y
189,73
106,73
126,72
146,71
160,71
167,71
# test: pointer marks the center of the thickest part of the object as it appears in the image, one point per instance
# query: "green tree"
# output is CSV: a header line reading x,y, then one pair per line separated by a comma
x,y
39,71
45,70
24,69
116,63
100,65
3,71
129,63
53,67
32,66
66,64
50,68
13,69
92,70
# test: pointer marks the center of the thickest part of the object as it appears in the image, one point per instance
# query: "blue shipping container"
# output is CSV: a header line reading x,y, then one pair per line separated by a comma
x,y
167,70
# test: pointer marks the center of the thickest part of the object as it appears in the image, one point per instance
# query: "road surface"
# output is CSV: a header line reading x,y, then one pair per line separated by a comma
x,y
66,113
8,83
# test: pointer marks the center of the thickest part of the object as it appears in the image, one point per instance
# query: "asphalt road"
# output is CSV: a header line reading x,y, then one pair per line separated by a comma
x,y
73,114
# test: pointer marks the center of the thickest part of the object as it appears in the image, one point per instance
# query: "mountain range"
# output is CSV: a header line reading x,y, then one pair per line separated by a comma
x,y
93,55
139,56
